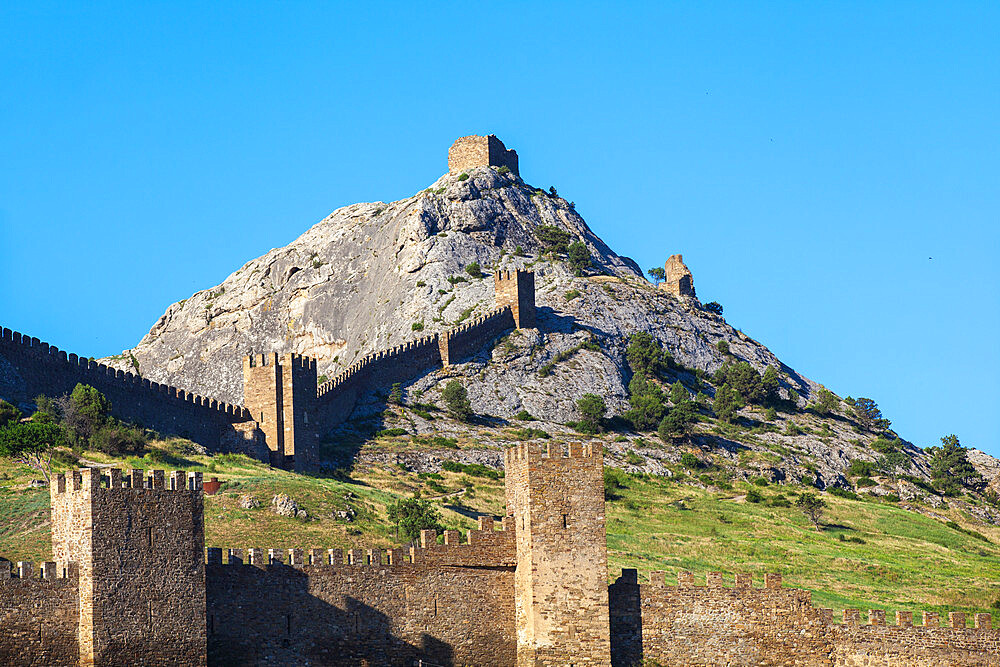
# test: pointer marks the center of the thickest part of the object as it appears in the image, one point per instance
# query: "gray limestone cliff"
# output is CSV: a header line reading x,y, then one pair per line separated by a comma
x,y
365,276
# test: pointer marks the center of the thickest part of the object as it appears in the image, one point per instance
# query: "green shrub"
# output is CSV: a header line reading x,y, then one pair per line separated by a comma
x,y
852,539
862,482
553,238
780,501
417,326
504,169
578,257
396,394
454,280
572,294
456,399
722,346
8,413
524,416
411,516
713,307
592,409
421,283
842,493
760,481
860,468
473,269
755,496
690,461
634,459
463,177
474,469
614,480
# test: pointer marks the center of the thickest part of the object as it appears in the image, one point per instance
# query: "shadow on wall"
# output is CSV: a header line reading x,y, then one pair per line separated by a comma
x,y
291,626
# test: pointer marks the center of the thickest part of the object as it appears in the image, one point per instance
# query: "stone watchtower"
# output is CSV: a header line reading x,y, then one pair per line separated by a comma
x,y
517,290
139,545
560,584
677,278
280,393
476,151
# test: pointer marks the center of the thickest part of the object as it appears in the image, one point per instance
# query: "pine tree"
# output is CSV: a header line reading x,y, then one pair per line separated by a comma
x,y
950,468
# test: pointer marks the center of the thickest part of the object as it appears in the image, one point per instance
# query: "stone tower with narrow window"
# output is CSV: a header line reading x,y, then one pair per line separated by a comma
x,y
138,543
280,393
561,591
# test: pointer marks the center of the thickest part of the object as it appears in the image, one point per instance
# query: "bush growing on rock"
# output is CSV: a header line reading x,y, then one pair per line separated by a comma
x,y
645,356
951,471
592,409
727,403
578,257
713,307
456,399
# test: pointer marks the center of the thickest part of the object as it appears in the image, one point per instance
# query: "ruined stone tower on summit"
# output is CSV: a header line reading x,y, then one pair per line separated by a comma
x,y
677,277
477,151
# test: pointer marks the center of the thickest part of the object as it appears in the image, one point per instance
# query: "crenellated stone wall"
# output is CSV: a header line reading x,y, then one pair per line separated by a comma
x,y
133,584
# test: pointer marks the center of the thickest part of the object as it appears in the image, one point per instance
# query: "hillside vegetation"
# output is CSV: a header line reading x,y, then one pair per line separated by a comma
x,y
870,552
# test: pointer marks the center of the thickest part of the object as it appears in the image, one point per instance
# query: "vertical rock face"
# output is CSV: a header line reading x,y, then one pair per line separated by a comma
x,y
677,279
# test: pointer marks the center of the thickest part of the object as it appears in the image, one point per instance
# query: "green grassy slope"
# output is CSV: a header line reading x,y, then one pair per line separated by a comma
x,y
870,553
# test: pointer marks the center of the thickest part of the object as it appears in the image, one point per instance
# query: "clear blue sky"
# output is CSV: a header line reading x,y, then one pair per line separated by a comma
x,y
808,159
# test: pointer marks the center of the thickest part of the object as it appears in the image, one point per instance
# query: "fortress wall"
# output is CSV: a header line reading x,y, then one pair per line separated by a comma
x,y
336,398
38,614
138,540
445,604
873,641
470,337
45,369
742,625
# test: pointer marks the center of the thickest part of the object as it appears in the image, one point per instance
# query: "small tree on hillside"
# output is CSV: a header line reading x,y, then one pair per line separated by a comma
x,y
951,470
727,403
411,516
713,307
85,413
827,402
644,354
812,506
396,395
8,413
770,384
678,394
657,274
592,409
32,444
868,415
578,257
456,399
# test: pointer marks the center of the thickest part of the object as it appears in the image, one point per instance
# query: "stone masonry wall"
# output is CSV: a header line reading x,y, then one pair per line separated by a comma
x,y
446,604
138,542
556,498
477,151
742,625
38,615
677,277
44,369
470,337
517,290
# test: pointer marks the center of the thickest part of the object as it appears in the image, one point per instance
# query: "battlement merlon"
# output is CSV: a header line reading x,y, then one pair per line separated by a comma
x,y
89,480
530,452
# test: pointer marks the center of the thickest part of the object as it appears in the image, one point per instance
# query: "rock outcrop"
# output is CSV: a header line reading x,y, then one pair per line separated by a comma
x,y
374,275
